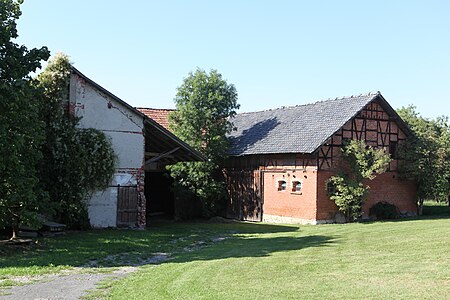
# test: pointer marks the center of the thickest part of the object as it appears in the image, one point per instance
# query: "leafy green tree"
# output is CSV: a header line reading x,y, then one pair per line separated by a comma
x,y
427,155
204,104
362,162
76,161
365,161
21,132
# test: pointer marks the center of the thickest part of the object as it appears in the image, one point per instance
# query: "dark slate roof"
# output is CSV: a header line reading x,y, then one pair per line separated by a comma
x,y
296,129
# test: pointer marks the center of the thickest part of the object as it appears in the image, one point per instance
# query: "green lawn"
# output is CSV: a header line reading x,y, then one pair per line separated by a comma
x,y
406,259
385,260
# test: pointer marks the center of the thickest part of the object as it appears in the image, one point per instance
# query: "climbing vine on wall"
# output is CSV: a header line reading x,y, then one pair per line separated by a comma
x,y
76,162
347,189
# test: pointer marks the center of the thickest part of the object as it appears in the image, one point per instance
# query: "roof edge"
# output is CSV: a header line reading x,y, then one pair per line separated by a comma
x,y
169,109
374,97
152,122
105,91
312,103
391,111
172,136
402,124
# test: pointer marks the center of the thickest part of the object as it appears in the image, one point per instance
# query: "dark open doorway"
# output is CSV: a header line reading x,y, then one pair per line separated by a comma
x,y
159,195
162,148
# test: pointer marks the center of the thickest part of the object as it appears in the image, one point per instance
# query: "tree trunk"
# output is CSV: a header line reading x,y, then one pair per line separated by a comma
x,y
348,218
15,230
420,208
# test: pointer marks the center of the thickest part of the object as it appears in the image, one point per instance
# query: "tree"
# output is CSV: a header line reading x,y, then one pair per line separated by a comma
x,y
21,131
204,105
362,162
76,161
427,155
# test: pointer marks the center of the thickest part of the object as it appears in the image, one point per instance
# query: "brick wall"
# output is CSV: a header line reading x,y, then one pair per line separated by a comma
x,y
326,208
388,187
385,187
288,203
372,124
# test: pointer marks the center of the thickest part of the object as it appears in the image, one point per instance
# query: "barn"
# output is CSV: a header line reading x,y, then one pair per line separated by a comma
x,y
280,159
139,189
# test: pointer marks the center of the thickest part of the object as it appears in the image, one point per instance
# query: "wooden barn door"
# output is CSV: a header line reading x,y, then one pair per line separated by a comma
x,y
127,210
245,195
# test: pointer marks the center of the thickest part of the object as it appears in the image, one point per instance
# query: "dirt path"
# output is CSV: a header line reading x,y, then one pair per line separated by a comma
x,y
78,282
71,284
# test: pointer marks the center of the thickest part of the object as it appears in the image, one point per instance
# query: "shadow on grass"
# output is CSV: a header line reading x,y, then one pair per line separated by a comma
x,y
187,241
436,210
409,219
238,247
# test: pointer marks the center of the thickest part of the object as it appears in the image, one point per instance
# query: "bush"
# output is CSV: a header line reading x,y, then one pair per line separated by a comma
x,y
384,211
348,196
433,208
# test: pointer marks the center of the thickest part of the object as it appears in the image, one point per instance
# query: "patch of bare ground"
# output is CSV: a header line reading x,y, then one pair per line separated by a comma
x,y
77,282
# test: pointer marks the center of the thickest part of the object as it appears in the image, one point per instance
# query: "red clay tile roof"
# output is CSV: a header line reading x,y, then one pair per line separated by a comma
x,y
160,115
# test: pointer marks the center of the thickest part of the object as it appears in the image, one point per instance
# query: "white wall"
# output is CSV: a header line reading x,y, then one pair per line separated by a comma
x,y
125,128
102,208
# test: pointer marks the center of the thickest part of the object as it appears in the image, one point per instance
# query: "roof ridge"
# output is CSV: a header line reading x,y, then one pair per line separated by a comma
x,y
377,93
138,107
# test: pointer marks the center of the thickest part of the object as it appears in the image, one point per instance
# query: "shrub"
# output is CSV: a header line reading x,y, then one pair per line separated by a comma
x,y
347,189
384,211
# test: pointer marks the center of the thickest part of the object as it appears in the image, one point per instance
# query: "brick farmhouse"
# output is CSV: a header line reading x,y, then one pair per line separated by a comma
x,y
280,159
278,165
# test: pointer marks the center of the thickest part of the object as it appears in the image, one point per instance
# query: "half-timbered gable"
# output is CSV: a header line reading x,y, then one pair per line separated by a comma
x,y
377,124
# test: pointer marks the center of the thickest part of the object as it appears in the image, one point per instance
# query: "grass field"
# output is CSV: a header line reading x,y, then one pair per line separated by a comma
x,y
407,259
386,260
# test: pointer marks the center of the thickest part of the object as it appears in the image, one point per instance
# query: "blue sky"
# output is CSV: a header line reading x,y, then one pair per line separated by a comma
x,y
276,53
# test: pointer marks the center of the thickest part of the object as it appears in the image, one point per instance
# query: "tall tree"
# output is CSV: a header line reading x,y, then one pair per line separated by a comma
x,y
427,155
21,132
205,102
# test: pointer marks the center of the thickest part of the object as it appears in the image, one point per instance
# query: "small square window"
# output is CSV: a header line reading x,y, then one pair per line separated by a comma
x,y
296,186
282,185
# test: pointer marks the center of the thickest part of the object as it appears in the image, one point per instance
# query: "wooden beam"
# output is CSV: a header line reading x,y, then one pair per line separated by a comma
x,y
152,154
165,154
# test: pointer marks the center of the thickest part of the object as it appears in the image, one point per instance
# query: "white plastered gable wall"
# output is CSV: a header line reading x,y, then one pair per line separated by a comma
x,y
125,128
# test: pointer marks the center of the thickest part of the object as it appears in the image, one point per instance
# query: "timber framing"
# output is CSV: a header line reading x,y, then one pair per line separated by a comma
x,y
280,159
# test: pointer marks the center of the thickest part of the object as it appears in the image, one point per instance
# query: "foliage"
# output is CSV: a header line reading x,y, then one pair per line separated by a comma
x,y
427,155
384,211
21,132
364,162
348,196
205,102
76,161
433,208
